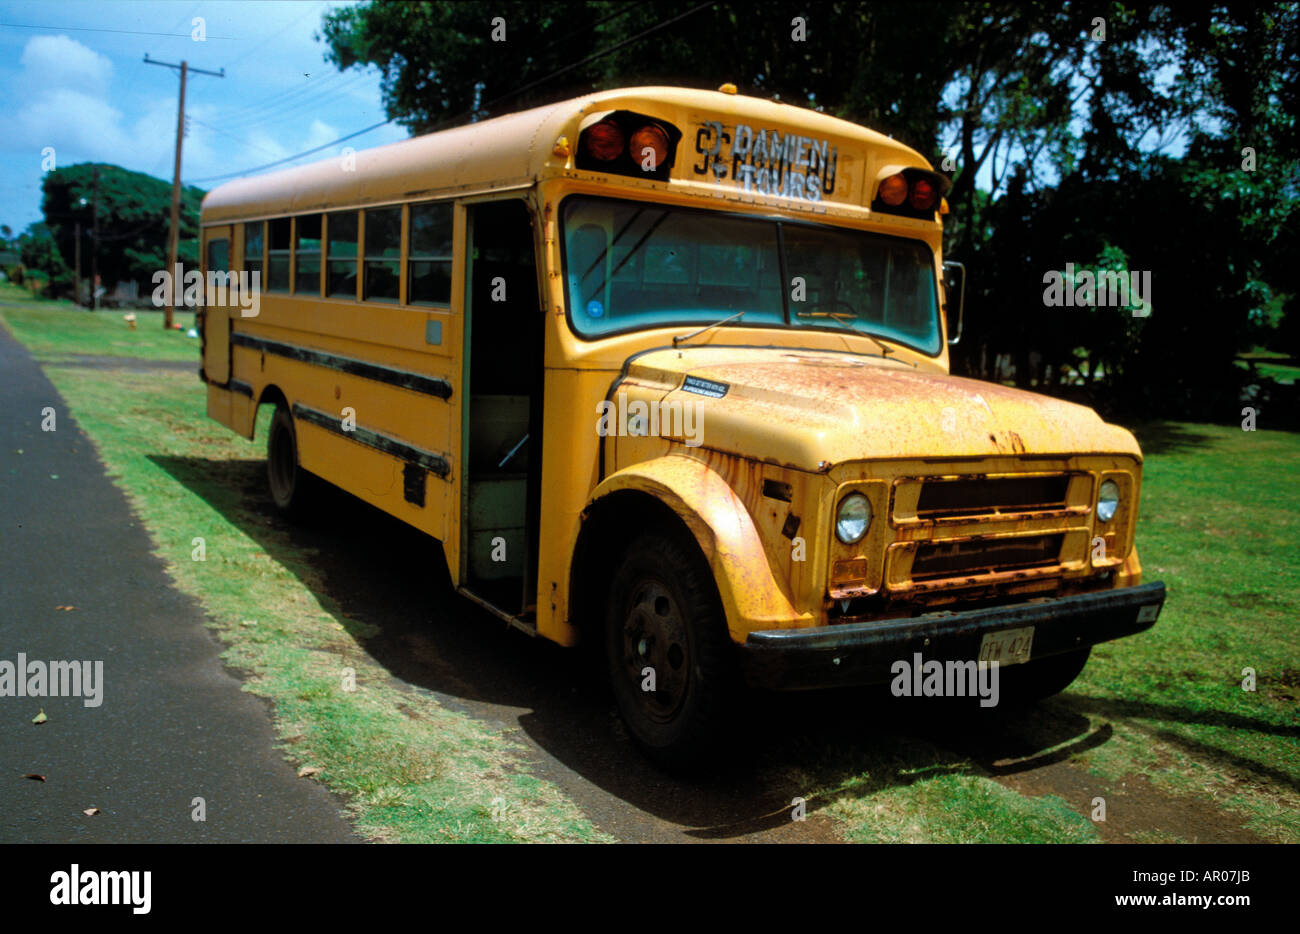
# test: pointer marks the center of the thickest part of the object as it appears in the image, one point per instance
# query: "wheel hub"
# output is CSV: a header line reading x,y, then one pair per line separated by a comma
x,y
654,637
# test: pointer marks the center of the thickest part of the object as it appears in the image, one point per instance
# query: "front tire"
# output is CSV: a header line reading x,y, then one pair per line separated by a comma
x,y
1039,679
664,627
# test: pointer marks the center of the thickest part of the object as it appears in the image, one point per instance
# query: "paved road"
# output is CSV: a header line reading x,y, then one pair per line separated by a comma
x,y
173,725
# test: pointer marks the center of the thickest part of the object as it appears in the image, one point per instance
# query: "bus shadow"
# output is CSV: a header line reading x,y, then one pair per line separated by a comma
x,y
387,583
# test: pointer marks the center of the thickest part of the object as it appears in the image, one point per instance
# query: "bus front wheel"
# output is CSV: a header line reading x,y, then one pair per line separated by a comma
x,y
670,660
290,484
1042,678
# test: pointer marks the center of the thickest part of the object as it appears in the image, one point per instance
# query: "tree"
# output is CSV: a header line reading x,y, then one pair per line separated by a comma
x,y
39,253
1059,125
133,211
441,65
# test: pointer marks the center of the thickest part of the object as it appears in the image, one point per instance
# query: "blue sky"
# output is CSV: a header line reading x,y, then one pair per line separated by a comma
x,y
78,83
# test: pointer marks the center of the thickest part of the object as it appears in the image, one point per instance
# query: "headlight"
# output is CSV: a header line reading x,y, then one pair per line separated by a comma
x,y
853,519
1107,501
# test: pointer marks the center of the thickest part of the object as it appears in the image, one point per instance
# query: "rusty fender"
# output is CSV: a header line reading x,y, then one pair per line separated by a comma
x,y
716,517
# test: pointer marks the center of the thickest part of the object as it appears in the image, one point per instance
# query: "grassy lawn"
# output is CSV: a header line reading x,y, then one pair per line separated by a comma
x,y
1218,525
105,333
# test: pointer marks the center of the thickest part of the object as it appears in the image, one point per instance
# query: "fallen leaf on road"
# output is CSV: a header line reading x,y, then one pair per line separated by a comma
x,y
65,607
34,777
40,718
90,812
307,771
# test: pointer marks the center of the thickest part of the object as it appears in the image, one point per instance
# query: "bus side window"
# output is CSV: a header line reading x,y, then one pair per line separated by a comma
x,y
341,257
383,254
307,253
253,234
277,277
428,277
219,255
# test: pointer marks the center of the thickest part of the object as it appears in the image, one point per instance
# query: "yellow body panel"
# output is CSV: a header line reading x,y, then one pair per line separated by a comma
x,y
813,414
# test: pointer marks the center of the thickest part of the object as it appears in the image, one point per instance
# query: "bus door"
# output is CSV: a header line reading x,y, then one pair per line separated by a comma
x,y
503,408
216,305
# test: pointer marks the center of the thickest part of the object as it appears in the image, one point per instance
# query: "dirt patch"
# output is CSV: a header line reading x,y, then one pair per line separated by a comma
x,y
98,362
1136,811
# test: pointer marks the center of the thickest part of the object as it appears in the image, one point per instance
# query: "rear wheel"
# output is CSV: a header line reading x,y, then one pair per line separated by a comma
x,y
291,486
671,663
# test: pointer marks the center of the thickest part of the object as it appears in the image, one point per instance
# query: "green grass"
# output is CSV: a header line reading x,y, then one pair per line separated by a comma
x,y
55,329
1218,524
959,808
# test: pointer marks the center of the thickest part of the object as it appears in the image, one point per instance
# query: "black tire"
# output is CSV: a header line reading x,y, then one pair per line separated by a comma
x,y
663,613
1041,678
292,488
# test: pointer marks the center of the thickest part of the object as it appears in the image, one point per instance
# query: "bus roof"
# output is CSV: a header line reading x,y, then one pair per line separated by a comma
x,y
516,150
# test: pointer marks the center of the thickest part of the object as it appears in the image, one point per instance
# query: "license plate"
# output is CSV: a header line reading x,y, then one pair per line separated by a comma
x,y
1008,646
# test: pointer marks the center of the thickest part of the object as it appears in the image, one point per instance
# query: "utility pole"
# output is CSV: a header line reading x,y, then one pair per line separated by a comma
x,y
94,245
173,240
77,289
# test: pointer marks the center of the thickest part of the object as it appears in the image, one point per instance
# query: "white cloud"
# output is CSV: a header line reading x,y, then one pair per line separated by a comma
x,y
89,106
60,62
66,94
319,134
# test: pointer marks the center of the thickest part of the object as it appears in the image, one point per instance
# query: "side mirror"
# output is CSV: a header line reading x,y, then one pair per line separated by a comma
x,y
954,289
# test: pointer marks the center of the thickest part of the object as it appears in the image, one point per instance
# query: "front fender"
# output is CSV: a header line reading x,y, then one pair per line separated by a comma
x,y
751,596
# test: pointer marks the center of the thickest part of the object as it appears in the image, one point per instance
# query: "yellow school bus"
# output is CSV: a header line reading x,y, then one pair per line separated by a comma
x,y
666,371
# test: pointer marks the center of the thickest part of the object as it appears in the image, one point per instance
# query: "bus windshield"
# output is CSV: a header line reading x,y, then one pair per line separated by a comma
x,y
631,265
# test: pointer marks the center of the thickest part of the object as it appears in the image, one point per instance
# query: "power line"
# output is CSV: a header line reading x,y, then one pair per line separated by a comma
x,y
312,100
237,139
188,17
297,91
590,58
294,22
270,165
125,32
601,54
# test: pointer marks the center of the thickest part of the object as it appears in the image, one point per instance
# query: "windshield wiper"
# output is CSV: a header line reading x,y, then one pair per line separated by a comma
x,y
682,338
843,316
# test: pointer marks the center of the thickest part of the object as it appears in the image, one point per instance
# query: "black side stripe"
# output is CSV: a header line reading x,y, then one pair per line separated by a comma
x,y
435,463
417,382
241,387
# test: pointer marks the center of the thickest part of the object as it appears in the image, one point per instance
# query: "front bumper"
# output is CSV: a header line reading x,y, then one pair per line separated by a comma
x,y
862,653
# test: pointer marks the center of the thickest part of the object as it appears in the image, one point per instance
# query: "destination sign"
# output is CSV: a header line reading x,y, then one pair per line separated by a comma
x,y
766,161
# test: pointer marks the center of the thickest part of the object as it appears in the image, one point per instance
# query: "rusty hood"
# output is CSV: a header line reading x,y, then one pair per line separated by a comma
x,y
809,409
